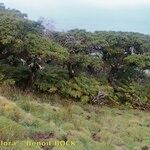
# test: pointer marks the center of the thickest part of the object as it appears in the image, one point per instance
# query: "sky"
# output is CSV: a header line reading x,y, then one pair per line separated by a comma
x,y
116,15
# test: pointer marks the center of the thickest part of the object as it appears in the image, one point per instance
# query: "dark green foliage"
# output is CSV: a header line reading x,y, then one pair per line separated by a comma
x,y
50,77
24,50
141,61
136,94
81,87
76,64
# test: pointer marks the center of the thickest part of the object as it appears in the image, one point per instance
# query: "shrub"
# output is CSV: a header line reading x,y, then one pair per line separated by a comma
x,y
81,88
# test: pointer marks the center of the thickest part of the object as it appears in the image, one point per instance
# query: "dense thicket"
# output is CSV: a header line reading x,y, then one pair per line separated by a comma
x,y
95,67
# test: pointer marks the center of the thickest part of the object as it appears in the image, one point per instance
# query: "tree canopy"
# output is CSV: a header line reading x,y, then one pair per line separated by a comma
x,y
100,65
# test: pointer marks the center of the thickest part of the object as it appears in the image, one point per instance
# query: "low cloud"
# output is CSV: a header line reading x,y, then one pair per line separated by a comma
x,y
84,3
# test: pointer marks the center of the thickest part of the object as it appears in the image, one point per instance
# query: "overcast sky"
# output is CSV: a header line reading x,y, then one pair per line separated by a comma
x,y
124,15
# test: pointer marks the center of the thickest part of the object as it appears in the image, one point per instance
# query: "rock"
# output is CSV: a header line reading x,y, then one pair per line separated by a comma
x,y
100,98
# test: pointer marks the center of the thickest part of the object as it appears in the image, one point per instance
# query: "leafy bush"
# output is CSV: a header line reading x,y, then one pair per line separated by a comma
x,y
82,88
135,94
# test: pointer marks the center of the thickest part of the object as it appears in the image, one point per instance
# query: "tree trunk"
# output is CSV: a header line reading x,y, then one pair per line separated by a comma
x,y
70,70
112,77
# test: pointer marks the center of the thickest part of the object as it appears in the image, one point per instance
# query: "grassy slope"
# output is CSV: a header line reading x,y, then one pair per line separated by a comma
x,y
26,116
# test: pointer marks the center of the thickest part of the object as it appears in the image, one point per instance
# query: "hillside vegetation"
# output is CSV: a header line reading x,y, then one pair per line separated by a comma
x,y
28,117
89,87
101,67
